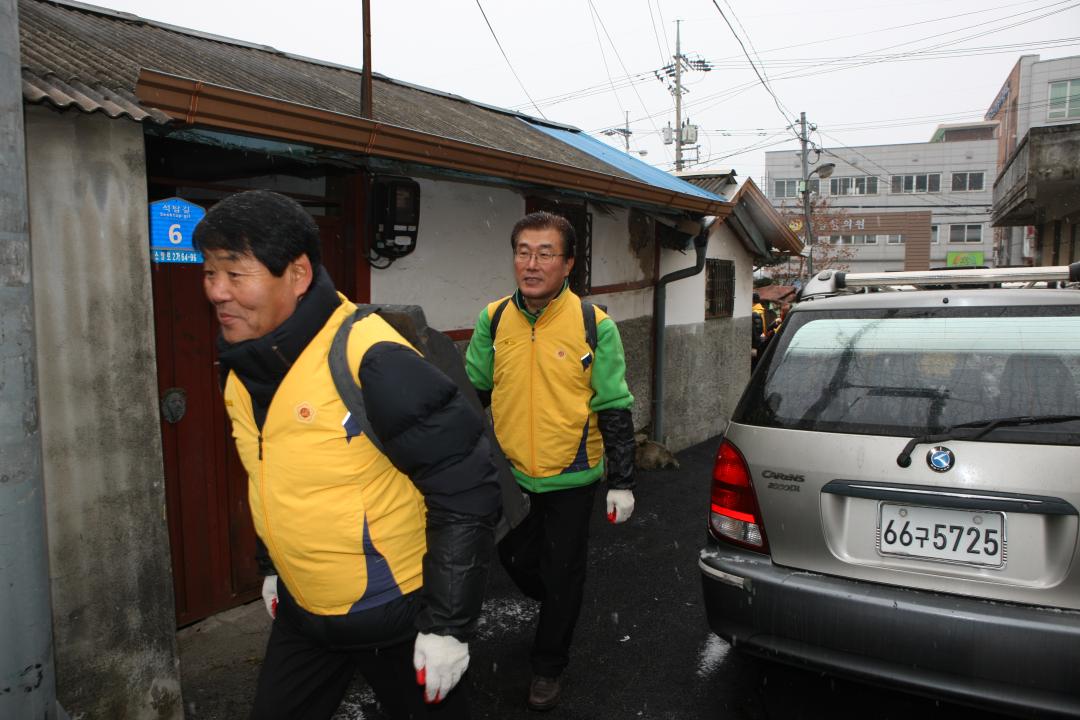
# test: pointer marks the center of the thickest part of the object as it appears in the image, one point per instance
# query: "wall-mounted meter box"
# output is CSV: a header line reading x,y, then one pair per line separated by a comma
x,y
396,216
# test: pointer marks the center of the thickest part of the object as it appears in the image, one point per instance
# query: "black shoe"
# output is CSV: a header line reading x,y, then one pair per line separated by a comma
x,y
543,693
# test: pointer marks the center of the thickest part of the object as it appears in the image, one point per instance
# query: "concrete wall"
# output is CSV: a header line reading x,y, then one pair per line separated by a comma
x,y
113,614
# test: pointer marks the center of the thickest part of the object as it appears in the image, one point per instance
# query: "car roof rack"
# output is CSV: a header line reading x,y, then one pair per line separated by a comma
x,y
831,282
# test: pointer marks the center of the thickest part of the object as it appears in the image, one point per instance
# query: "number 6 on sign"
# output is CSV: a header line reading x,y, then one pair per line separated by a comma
x,y
175,236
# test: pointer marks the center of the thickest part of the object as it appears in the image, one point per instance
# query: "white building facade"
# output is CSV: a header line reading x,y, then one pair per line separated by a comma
x,y
950,177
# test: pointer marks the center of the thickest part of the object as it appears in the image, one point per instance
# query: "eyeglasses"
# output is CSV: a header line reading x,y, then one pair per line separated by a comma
x,y
544,257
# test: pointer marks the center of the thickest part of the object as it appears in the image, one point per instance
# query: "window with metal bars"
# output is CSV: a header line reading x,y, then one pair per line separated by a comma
x,y
719,288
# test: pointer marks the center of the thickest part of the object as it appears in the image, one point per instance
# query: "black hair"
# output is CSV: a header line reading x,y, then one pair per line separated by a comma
x,y
273,228
757,298
544,220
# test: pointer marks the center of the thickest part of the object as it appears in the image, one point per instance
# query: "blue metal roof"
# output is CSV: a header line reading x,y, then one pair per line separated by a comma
x,y
626,163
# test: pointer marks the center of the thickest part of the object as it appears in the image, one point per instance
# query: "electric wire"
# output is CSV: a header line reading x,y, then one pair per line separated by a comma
x,y
652,24
811,62
764,84
623,65
508,63
603,56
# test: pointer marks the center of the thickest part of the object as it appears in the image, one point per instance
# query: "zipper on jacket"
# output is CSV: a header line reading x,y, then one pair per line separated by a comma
x,y
532,403
260,445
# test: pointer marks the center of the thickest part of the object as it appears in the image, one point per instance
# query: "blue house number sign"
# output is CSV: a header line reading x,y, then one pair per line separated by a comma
x,y
172,222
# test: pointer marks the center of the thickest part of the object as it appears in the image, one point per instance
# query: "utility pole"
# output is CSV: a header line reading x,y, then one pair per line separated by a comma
x,y
27,672
365,81
671,75
624,131
804,139
678,97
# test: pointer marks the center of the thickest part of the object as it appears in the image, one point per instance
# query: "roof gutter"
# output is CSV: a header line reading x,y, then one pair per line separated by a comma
x,y
192,102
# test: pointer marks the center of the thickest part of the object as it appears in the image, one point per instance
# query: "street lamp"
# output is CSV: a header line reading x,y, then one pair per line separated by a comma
x,y
823,172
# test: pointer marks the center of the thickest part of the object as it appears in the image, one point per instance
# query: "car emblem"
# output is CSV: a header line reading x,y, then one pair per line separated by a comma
x,y
940,459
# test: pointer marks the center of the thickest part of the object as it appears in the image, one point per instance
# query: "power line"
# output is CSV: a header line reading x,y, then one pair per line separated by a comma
x,y
732,92
756,53
663,24
652,24
623,65
809,63
507,58
752,65
603,56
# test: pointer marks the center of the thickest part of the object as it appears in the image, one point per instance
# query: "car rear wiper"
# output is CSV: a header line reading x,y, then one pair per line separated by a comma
x,y
976,429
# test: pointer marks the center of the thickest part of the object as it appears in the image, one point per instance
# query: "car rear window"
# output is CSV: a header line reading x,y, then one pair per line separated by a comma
x,y
911,372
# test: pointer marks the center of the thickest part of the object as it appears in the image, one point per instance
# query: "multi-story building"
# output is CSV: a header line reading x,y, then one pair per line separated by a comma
x,y
908,206
1036,209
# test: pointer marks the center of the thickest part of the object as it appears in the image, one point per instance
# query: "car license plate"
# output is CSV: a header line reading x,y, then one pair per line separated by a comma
x,y
956,536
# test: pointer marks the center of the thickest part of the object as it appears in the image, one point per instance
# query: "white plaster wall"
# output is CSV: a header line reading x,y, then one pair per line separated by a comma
x,y
113,616
614,260
462,259
724,245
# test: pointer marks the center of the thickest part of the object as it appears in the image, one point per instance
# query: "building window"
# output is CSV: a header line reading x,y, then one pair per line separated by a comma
x,y
861,185
965,233
1064,100
924,182
853,239
933,234
967,181
719,288
789,188
891,239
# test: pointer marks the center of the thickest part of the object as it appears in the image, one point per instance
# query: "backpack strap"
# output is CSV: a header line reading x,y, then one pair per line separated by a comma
x,y
588,312
496,316
344,379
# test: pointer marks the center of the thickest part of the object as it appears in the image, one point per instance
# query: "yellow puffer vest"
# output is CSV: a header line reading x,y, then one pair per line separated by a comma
x,y
542,388
344,528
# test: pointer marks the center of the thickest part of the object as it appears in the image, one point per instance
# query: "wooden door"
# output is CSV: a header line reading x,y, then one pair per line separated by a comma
x,y
210,531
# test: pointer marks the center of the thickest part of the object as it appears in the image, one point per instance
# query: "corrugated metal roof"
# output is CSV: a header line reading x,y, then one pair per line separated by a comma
x,y
628,164
76,55
61,95
714,182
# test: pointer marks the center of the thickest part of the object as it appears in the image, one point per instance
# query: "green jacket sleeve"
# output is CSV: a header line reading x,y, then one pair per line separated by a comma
x,y
609,370
480,355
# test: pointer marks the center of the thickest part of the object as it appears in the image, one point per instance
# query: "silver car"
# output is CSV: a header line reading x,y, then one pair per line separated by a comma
x,y
895,498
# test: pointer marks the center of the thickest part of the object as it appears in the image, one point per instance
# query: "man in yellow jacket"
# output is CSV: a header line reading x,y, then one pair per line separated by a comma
x,y
559,406
377,535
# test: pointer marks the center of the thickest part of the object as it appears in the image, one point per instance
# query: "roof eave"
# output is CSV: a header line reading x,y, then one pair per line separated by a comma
x,y
779,235
193,102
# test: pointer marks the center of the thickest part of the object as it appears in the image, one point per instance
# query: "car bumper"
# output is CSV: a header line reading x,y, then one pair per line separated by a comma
x,y
1000,655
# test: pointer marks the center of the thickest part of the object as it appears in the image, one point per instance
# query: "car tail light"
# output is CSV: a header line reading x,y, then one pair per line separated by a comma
x,y
735,516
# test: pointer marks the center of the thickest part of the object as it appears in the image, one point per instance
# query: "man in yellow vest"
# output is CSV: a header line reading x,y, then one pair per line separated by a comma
x,y
559,405
376,548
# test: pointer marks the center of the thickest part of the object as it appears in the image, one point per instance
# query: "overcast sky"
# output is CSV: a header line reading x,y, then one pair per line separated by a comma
x,y
864,71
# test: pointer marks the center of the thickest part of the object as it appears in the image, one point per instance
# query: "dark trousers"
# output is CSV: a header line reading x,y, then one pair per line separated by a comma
x,y
310,661
546,557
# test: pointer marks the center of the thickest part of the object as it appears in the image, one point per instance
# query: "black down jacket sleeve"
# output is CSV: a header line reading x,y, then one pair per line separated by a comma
x,y
617,429
432,434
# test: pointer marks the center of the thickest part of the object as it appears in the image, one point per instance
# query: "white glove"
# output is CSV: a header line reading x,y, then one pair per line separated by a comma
x,y
620,505
440,661
269,593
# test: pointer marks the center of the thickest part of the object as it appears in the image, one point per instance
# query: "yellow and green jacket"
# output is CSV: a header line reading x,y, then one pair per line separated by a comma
x,y
347,527
549,390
